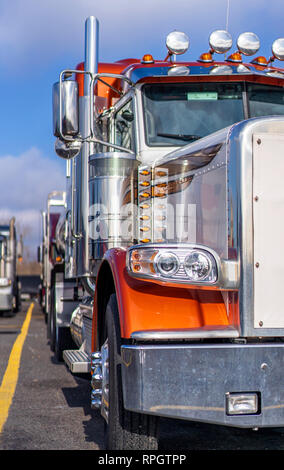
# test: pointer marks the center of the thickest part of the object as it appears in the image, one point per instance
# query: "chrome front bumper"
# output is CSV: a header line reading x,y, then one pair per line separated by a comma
x,y
6,298
191,382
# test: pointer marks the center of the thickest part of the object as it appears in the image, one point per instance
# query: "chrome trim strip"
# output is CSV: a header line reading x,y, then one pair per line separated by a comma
x,y
188,334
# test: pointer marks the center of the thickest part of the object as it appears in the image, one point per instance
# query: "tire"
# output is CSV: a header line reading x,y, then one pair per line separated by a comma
x,y
63,341
17,301
52,320
60,337
125,429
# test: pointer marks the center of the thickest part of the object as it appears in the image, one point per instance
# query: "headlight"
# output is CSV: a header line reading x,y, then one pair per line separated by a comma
x,y
5,282
178,263
197,266
167,264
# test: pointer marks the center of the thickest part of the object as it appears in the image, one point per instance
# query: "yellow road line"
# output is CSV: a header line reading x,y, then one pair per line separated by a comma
x,y
10,379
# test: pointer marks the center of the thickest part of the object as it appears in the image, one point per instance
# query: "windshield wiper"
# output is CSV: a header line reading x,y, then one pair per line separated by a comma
x,y
180,136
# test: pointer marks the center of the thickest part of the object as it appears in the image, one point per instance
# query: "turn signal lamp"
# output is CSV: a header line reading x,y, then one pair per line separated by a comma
x,y
141,261
147,59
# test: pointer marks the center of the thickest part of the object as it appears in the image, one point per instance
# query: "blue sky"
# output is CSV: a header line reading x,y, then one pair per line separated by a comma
x,y
40,38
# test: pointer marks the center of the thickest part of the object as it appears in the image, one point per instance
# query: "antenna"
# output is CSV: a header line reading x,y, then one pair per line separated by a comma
x,y
228,12
227,19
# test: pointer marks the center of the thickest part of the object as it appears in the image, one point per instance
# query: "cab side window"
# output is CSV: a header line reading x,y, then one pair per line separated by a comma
x,y
124,127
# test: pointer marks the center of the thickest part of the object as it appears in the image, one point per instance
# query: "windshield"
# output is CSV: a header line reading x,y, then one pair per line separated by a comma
x,y
265,100
176,114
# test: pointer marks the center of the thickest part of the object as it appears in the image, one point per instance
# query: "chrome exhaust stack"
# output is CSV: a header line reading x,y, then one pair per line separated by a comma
x,y
91,66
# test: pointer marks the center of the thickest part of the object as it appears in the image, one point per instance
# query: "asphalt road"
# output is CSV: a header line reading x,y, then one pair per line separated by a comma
x,y
51,409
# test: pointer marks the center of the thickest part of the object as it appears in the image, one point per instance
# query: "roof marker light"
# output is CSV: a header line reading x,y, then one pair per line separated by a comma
x,y
236,57
206,57
147,59
260,60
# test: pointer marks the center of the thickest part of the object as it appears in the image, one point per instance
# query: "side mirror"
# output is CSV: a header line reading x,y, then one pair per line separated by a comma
x,y
67,150
128,115
65,101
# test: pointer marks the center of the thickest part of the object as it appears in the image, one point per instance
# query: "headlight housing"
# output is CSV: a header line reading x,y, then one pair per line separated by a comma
x,y
5,282
185,264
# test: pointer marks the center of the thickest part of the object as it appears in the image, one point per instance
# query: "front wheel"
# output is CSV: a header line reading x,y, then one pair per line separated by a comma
x,y
124,430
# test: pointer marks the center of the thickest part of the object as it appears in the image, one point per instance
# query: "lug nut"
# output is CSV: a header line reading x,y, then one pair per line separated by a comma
x,y
96,399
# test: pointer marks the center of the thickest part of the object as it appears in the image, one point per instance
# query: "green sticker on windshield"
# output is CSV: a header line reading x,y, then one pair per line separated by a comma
x,y
204,95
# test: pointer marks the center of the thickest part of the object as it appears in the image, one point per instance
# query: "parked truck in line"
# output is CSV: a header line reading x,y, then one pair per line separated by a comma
x,y
173,231
10,251
56,291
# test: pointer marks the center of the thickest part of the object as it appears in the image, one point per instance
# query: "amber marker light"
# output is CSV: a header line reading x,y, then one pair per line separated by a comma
x,y
144,206
136,267
206,57
147,59
160,173
136,256
145,195
235,57
260,61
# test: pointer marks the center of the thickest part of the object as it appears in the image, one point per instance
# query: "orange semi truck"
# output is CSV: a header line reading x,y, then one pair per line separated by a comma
x,y
174,227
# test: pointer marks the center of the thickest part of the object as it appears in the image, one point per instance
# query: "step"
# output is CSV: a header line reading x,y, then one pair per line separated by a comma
x,y
77,361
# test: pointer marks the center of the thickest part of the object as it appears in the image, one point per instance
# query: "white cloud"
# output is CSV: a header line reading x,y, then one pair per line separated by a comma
x,y
25,182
